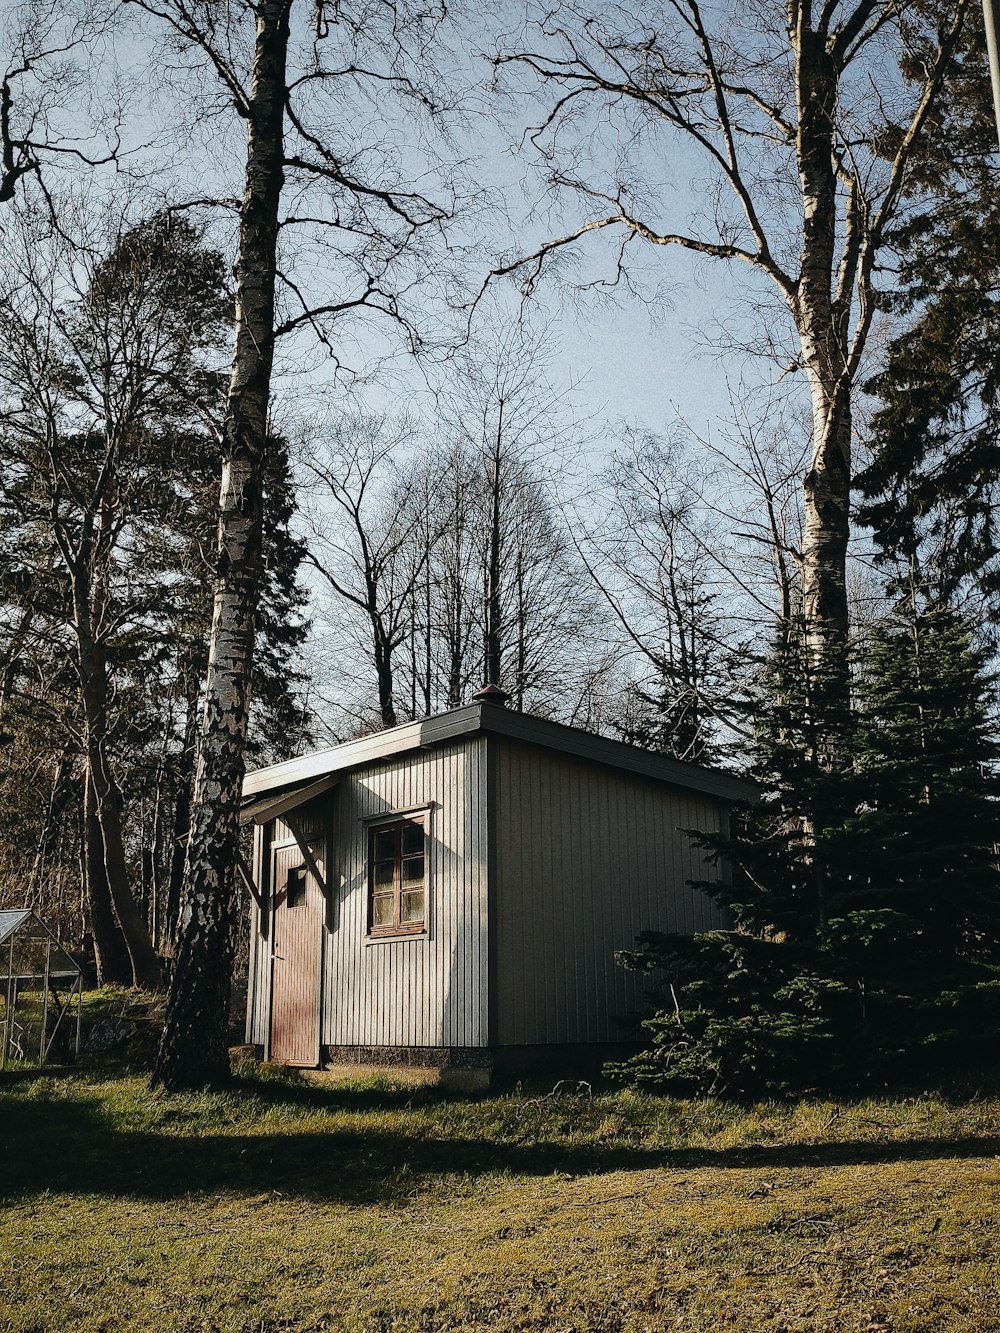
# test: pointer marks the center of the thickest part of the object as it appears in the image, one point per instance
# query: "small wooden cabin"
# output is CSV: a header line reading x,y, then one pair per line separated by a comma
x,y
452,892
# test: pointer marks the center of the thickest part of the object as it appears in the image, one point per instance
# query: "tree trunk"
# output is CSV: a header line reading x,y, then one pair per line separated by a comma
x,y
383,674
193,1052
145,964
827,487
454,619
181,826
113,965
521,667
58,800
823,323
494,590
107,796
153,853
428,644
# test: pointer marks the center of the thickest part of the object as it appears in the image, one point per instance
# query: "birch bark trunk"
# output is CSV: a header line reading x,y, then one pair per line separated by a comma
x,y
851,142
823,324
194,1049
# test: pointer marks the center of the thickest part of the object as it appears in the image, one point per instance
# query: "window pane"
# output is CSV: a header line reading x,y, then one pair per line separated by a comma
x,y
413,870
295,892
412,906
397,876
413,839
382,909
384,845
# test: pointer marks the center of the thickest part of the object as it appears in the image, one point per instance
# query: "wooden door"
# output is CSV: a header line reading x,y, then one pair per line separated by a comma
x,y
296,925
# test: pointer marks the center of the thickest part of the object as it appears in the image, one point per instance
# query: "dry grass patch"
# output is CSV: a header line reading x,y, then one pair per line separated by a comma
x,y
282,1205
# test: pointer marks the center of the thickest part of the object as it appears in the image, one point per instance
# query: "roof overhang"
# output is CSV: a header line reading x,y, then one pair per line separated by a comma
x,y
305,773
282,802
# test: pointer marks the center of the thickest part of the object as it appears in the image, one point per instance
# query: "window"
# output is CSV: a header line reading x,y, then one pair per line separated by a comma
x,y
397,877
295,887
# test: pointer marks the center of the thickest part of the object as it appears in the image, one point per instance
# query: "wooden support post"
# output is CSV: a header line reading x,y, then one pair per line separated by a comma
x,y
307,855
246,874
9,1015
43,1048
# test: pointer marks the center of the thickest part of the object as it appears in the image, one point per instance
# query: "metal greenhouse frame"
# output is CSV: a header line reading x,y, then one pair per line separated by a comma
x,y
41,992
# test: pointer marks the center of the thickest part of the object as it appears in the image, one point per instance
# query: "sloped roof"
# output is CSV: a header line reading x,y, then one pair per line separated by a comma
x,y
479,717
10,920
33,949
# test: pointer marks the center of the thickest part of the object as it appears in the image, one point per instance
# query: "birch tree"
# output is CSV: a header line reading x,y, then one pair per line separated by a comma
x,y
804,126
298,83
193,1050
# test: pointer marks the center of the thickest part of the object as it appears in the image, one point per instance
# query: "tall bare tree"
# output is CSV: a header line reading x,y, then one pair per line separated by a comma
x,y
451,649
52,120
370,541
804,119
298,75
513,431
658,560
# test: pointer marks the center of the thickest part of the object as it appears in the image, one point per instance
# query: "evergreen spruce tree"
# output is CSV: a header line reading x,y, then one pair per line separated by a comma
x,y
753,1008
865,939
918,919
931,485
925,830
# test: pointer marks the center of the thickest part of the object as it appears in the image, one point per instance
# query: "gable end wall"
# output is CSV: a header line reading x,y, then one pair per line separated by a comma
x,y
418,992
412,992
585,858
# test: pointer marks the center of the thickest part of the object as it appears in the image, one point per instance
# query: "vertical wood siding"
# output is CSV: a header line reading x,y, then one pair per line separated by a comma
x,y
423,991
259,978
586,858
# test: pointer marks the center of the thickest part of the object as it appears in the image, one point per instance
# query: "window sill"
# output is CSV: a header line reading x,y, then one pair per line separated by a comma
x,y
396,936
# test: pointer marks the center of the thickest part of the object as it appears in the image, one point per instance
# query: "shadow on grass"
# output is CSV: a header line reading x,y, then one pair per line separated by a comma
x,y
71,1145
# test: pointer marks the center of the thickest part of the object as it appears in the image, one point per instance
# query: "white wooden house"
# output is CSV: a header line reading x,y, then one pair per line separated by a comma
x,y
453,891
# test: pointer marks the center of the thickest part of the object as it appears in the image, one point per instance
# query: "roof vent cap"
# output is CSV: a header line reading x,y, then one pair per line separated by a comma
x,y
491,694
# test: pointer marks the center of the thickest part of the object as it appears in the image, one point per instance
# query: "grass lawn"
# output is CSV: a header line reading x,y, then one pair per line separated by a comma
x,y
282,1205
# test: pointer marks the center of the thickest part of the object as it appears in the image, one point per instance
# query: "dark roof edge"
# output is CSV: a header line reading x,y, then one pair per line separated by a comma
x,y
616,754
477,717
368,750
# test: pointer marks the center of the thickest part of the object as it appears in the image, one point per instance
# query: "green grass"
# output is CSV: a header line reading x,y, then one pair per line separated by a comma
x,y
282,1205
